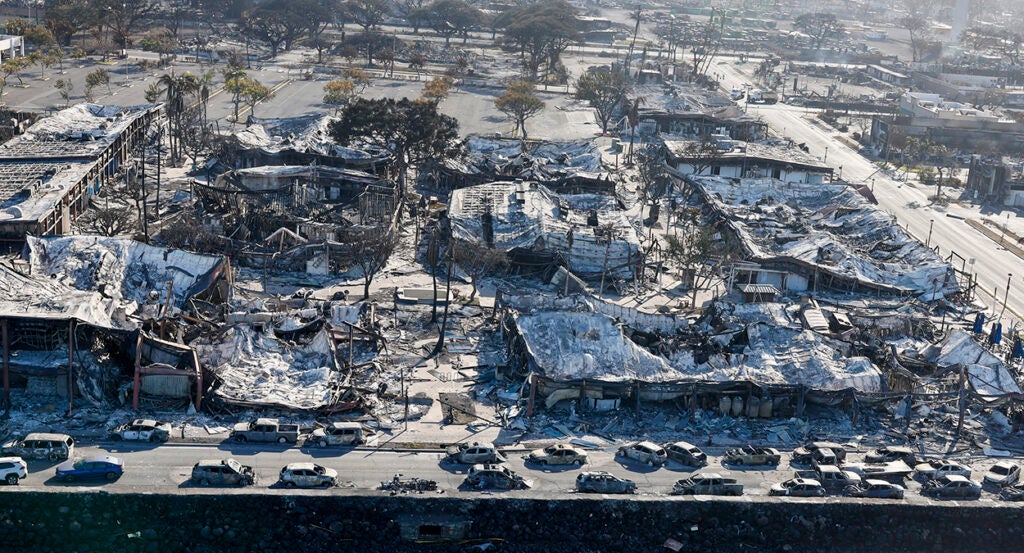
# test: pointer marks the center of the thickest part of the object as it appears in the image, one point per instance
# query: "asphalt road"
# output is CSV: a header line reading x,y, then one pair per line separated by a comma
x,y
165,468
936,225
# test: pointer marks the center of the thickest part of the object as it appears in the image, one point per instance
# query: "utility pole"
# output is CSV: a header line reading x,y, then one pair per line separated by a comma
x,y
1006,296
931,222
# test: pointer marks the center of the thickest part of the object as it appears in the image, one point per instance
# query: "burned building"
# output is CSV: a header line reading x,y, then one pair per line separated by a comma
x,y
734,159
821,237
303,217
48,174
295,141
564,167
73,310
588,233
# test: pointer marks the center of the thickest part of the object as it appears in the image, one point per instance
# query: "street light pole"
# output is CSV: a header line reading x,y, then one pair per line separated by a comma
x,y
931,223
1006,297
825,160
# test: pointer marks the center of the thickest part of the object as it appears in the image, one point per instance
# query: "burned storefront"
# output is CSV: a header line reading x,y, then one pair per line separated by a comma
x,y
83,314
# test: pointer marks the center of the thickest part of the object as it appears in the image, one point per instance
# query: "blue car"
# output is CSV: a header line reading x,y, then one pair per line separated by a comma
x,y
91,467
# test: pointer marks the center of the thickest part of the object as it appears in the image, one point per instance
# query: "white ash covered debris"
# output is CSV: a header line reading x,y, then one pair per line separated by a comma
x,y
137,276
256,369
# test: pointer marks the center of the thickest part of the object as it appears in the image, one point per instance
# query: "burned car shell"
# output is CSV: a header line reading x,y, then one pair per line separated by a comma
x,y
143,430
474,454
889,453
750,455
307,475
226,472
486,476
338,433
1002,474
876,489
603,482
558,454
686,453
42,445
707,484
938,468
804,453
649,453
952,485
798,487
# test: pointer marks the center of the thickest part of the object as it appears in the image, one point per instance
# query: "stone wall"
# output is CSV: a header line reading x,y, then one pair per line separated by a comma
x,y
101,522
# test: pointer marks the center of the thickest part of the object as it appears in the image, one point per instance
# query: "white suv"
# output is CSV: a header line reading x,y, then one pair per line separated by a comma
x,y
12,469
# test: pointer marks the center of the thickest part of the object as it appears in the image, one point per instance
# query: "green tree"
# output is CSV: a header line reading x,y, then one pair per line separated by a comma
x,y
519,102
235,82
339,93
256,93
412,131
64,87
438,88
94,79
604,90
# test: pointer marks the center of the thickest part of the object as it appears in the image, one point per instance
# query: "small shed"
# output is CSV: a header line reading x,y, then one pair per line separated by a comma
x,y
758,293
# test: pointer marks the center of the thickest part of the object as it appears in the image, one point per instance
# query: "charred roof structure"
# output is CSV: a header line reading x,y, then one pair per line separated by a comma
x,y
48,174
826,236
296,141
588,232
746,159
565,167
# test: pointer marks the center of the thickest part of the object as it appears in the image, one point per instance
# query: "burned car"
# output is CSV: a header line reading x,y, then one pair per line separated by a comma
x,y
42,445
145,430
307,475
473,454
687,454
890,453
707,484
337,433
875,489
751,455
952,486
603,482
490,476
558,454
223,472
804,453
938,468
644,452
798,487
1002,474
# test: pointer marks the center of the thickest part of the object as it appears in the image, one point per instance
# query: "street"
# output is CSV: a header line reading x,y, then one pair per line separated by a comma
x,y
166,468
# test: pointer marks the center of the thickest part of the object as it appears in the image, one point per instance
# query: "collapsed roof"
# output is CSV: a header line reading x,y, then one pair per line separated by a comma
x,y
307,135
256,369
130,273
830,229
547,162
532,217
38,296
767,346
986,374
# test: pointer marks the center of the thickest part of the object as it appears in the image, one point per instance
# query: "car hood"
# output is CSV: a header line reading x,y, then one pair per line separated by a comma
x,y
538,453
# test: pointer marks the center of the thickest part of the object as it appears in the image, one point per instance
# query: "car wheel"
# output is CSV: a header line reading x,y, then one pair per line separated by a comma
x,y
289,484
241,438
650,462
153,438
322,443
738,462
12,479
69,478
282,440
111,476
578,462
821,493
326,485
116,437
53,457
204,482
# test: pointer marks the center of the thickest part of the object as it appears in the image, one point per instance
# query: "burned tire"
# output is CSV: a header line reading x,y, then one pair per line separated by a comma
x,y
578,462
282,440
53,457
12,479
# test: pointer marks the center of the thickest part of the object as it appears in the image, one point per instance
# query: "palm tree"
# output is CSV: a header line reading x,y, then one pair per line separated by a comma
x,y
178,91
633,119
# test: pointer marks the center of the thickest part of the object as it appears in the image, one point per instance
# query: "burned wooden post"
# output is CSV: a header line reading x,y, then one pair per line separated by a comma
x,y
71,365
7,366
137,381
533,394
